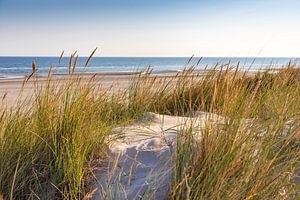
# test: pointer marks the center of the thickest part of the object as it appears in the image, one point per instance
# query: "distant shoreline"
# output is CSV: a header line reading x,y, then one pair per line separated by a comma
x,y
18,66
20,76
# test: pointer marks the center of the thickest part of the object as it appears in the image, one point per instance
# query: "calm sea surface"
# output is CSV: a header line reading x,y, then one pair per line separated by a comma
x,y
22,65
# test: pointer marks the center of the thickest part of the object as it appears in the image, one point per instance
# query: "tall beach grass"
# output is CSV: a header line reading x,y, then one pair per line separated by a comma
x,y
252,152
48,142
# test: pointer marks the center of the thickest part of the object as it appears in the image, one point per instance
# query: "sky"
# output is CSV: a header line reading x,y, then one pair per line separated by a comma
x,y
227,28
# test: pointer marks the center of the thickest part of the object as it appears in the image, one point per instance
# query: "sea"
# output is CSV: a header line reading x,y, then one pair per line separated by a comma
x,y
14,66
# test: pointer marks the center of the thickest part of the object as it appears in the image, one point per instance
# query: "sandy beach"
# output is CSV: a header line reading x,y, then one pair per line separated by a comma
x,y
12,85
149,100
10,88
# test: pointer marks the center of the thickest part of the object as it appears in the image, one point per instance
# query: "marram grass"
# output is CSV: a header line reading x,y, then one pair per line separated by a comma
x,y
47,145
253,152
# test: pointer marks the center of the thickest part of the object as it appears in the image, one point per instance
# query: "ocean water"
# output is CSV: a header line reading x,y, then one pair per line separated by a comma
x,y
22,65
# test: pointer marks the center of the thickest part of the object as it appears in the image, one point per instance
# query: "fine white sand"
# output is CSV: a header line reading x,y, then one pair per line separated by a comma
x,y
140,162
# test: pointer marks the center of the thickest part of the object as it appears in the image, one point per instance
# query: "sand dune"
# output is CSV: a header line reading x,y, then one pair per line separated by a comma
x,y
140,162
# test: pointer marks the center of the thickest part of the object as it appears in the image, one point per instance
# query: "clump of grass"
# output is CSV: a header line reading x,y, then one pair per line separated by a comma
x,y
253,152
46,145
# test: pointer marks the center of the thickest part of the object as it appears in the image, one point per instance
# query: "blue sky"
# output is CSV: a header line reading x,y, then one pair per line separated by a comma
x,y
151,27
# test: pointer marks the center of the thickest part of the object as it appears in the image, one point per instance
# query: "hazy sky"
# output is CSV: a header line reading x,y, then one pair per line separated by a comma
x,y
151,27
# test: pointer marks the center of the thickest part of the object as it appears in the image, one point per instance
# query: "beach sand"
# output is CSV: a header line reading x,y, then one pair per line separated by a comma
x,y
12,85
13,89
140,163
